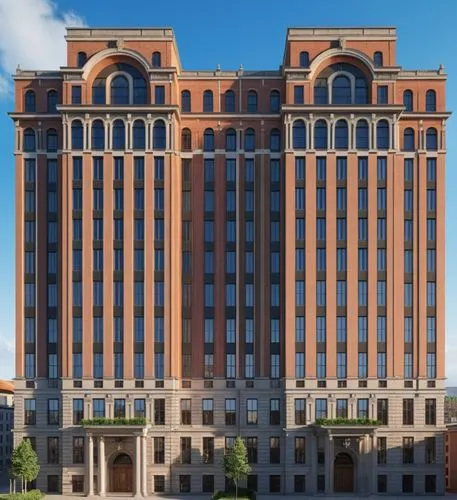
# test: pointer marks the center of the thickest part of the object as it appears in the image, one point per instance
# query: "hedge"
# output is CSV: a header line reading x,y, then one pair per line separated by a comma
x,y
30,495
243,493
346,421
114,421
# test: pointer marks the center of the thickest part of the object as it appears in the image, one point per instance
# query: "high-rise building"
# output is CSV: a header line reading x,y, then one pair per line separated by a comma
x,y
223,253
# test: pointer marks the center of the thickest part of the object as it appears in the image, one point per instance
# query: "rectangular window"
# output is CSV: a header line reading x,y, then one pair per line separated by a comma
x,y
300,450
299,365
341,408
29,412
408,450
275,450
383,411
430,412
321,408
53,450
159,93
208,450
275,413
321,365
98,408
78,449
381,358
300,412
207,411
159,411
430,450
230,411
408,411
363,365
299,96
78,411
159,450
53,412
251,412
362,408
382,94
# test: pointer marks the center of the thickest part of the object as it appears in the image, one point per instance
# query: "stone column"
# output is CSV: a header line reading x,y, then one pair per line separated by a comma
x,y
329,458
137,465
101,466
90,472
144,472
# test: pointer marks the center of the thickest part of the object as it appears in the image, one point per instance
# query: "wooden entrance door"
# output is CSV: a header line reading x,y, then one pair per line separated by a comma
x,y
343,475
121,474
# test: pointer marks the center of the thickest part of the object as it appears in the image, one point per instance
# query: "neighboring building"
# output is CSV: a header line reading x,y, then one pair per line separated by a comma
x,y
451,457
232,252
450,409
6,423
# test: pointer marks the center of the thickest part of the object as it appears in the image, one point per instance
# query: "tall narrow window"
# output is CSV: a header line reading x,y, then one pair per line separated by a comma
x,y
29,144
159,135
431,139
185,101
275,101
382,134
299,134
98,135
52,101
378,59
230,140
408,139
208,101
186,140
51,140
252,101
341,134
139,135
30,102
320,134
118,135
304,59
208,140
249,140
120,90
341,90
275,140
430,101
362,135
81,59
156,60
229,101
408,100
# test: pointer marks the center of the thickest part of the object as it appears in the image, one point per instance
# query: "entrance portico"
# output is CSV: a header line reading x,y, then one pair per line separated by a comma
x,y
350,458
122,449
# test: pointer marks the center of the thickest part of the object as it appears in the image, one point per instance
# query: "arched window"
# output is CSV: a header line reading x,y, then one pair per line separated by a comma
x,y
98,91
229,101
30,102
408,139
159,135
139,135
341,134
382,134
208,140
207,101
299,135
252,101
81,59
304,59
341,90
29,145
275,101
275,140
249,140
430,101
320,91
77,135
431,139
378,59
185,101
51,140
52,101
230,140
320,134
408,100
186,140
118,135
120,90
361,90
362,135
140,91
156,60
98,135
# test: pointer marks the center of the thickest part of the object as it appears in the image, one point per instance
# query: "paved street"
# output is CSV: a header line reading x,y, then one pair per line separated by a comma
x,y
448,496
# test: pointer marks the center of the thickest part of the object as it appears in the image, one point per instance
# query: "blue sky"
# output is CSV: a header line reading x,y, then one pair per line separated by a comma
x,y
208,33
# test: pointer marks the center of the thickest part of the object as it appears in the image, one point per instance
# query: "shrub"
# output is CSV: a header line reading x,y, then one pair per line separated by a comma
x,y
30,495
242,493
346,421
115,421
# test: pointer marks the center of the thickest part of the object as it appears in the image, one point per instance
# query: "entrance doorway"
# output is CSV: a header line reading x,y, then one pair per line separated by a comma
x,y
121,474
343,476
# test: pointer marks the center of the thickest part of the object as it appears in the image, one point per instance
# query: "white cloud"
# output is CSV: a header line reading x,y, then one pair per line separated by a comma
x,y
32,36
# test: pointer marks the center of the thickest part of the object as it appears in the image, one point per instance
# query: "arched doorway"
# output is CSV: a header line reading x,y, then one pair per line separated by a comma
x,y
121,474
343,476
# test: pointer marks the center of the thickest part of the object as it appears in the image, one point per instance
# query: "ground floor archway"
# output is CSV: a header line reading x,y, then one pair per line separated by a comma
x,y
343,475
121,474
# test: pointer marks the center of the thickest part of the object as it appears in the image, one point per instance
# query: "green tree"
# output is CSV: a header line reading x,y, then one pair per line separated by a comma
x,y
24,463
236,465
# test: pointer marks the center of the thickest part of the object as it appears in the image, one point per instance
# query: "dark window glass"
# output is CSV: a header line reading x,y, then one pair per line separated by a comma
x,y
76,94
230,140
156,60
275,101
382,94
30,102
341,134
120,90
249,140
208,140
81,59
408,100
98,91
408,139
299,94
51,140
252,101
52,101
98,135
185,101
304,59
431,139
77,135
430,101
229,101
320,91
118,135
382,135
186,140
299,134
378,59
159,135
159,94
341,90
29,145
139,135
362,135
275,140
320,134
207,101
